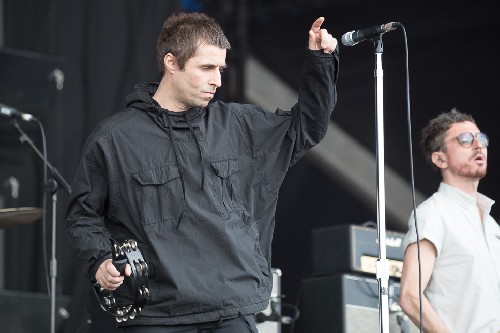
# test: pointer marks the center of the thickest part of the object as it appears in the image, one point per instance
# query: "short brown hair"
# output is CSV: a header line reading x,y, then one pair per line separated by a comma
x,y
432,135
182,33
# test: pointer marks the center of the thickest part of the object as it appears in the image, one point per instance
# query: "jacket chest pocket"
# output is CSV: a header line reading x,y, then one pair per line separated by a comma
x,y
158,193
226,186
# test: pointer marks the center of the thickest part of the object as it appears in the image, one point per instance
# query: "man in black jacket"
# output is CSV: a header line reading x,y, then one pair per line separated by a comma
x,y
196,183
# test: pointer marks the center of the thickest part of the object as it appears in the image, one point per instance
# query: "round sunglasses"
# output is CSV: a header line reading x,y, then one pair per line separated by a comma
x,y
466,139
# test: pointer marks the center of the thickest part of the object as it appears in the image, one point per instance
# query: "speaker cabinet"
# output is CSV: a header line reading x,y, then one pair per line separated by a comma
x,y
28,84
26,312
354,248
348,304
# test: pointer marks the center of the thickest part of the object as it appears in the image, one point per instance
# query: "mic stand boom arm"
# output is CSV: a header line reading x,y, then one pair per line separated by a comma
x,y
57,176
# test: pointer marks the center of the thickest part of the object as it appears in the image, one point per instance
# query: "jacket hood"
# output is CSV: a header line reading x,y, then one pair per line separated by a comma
x,y
142,98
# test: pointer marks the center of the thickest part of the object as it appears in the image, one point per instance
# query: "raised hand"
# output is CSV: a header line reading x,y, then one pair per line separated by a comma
x,y
320,39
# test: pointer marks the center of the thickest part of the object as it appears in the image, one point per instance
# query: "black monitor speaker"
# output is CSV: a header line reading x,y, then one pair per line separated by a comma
x,y
346,303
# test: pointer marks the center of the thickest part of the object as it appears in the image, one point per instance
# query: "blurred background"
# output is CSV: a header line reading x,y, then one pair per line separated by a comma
x,y
71,63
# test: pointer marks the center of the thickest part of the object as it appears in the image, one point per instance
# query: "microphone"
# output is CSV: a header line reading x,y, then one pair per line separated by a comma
x,y
13,113
354,37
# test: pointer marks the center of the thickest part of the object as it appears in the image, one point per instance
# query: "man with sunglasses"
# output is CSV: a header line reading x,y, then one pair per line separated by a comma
x,y
459,240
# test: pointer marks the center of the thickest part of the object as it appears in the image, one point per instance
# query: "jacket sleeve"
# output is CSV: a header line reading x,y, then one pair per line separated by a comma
x,y
275,141
85,221
317,99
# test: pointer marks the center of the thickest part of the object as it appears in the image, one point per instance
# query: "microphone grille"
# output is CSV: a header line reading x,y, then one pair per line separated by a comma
x,y
391,26
5,111
347,39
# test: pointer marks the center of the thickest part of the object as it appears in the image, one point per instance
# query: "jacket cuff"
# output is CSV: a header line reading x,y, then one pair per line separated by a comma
x,y
95,266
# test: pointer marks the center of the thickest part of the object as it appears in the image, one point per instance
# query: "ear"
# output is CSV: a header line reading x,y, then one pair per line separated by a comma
x,y
170,63
439,160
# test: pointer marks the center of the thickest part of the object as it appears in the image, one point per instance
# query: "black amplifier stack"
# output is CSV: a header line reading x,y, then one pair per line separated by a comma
x,y
342,296
354,249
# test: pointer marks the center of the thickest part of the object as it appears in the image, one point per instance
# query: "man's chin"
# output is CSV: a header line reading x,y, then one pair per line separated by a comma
x,y
478,174
204,102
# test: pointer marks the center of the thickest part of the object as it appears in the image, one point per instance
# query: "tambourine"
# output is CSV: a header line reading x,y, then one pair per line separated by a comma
x,y
128,300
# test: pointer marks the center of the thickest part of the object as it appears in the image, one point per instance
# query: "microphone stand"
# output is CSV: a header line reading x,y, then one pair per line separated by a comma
x,y
382,262
52,186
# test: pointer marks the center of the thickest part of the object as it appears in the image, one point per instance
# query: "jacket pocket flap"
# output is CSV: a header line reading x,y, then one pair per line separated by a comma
x,y
225,168
156,176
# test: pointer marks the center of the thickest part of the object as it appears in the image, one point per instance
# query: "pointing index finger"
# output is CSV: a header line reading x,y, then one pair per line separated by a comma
x,y
316,26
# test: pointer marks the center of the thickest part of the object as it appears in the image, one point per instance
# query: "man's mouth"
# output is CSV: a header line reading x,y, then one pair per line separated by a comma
x,y
479,157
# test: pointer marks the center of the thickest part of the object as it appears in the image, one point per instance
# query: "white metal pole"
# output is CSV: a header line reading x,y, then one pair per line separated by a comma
x,y
382,263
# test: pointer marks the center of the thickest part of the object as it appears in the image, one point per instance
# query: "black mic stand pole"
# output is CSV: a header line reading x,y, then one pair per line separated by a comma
x,y
382,263
52,186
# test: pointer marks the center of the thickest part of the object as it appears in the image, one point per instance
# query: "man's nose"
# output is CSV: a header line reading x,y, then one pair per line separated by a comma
x,y
216,80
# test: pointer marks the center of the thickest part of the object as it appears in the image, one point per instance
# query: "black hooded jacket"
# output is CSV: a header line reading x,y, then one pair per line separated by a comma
x,y
198,191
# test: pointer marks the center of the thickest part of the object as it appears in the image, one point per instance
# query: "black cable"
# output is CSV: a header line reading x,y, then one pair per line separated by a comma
x,y
44,206
25,138
295,311
297,306
410,143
